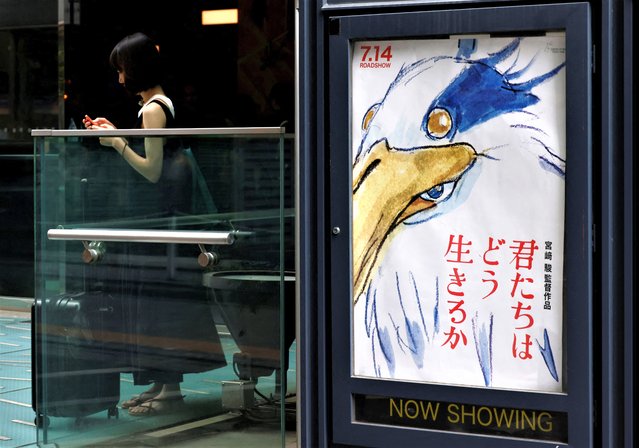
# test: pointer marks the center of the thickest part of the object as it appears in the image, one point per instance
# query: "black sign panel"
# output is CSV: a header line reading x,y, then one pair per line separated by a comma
x,y
461,417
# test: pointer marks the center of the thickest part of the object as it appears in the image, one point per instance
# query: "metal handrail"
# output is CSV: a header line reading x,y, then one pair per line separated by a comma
x,y
163,132
144,236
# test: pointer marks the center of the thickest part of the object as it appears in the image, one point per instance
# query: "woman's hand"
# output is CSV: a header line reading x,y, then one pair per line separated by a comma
x,y
102,123
97,123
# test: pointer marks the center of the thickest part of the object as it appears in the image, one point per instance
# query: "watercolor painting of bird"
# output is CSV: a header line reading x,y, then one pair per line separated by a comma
x,y
457,187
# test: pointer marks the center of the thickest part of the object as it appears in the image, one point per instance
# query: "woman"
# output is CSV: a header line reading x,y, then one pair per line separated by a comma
x,y
172,335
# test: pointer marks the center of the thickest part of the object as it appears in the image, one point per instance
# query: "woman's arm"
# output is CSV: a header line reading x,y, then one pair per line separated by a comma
x,y
149,166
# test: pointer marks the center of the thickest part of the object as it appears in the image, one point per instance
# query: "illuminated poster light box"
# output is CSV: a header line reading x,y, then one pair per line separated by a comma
x,y
458,268
460,176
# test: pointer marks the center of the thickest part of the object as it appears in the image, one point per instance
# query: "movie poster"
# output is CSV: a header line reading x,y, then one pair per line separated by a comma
x,y
458,177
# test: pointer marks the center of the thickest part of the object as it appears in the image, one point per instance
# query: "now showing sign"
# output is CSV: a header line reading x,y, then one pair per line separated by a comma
x,y
460,417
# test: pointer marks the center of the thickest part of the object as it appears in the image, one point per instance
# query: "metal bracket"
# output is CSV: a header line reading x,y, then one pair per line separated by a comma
x,y
93,251
207,259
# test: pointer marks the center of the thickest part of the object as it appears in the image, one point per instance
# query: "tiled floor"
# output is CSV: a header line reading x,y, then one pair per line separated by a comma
x,y
204,424
17,426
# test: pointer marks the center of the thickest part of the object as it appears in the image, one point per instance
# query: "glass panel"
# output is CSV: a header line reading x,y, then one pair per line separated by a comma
x,y
16,218
206,308
28,99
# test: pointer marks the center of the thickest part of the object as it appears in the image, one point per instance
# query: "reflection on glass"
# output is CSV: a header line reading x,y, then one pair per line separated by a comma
x,y
28,99
115,318
28,81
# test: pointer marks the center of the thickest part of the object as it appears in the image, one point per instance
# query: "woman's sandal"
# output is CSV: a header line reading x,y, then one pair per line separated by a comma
x,y
157,406
138,400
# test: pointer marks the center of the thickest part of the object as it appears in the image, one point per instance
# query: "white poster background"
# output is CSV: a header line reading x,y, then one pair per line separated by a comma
x,y
401,320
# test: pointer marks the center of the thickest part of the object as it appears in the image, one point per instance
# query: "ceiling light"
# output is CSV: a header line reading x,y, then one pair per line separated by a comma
x,y
219,17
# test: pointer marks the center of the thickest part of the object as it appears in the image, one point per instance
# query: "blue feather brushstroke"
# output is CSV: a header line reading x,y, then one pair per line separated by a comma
x,y
481,92
414,335
466,47
387,349
377,335
546,353
419,305
484,347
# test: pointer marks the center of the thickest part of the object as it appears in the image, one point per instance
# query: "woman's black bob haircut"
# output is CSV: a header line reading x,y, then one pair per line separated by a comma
x,y
138,57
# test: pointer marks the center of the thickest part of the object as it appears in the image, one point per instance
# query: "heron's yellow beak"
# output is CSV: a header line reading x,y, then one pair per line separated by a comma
x,y
387,188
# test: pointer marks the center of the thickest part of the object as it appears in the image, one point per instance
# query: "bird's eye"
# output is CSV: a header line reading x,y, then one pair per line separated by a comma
x,y
438,123
439,193
368,117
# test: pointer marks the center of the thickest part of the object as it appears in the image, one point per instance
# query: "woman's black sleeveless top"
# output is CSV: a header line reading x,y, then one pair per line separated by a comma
x,y
175,186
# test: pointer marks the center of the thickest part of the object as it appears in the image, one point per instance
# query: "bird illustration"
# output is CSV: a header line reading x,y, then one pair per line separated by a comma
x,y
445,126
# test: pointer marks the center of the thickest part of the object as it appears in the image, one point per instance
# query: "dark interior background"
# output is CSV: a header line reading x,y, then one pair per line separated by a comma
x,y
51,75
223,75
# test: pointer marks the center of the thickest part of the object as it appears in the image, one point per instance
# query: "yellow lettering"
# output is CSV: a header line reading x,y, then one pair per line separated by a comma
x,y
452,410
473,415
544,421
468,414
430,411
489,415
502,416
531,423
411,405
396,409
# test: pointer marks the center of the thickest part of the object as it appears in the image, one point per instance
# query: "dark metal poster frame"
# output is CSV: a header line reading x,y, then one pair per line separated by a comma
x,y
577,402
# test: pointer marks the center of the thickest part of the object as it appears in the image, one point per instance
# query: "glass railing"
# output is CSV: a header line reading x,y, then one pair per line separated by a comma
x,y
164,311
16,217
